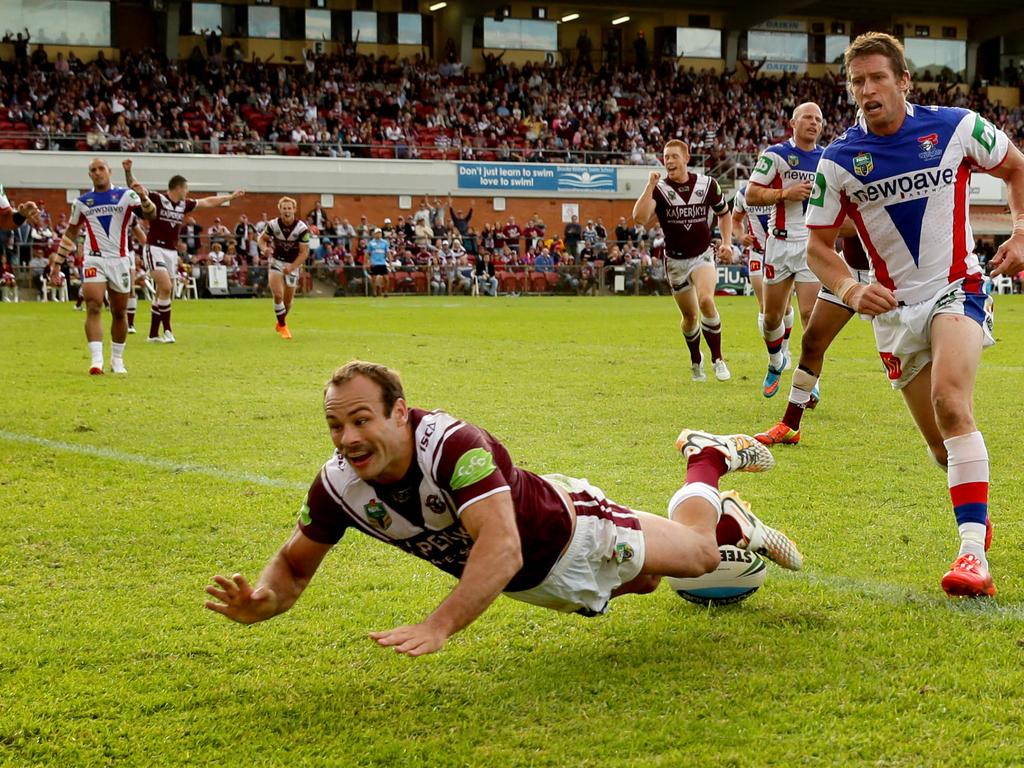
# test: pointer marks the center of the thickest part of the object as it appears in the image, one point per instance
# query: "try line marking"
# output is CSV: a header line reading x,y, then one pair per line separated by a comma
x,y
161,464
888,593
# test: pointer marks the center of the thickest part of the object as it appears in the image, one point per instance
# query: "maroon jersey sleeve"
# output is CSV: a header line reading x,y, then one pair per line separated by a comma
x,y
322,518
190,205
471,466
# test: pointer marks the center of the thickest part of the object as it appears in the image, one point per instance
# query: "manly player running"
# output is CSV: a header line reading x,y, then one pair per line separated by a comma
x,y
105,213
782,178
285,242
162,252
902,174
682,204
829,316
12,219
448,492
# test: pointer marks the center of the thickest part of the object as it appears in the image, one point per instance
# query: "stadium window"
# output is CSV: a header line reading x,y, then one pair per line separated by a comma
x,y
265,22
922,30
936,57
58,22
699,43
540,12
410,29
318,24
521,34
776,46
364,26
949,33
206,16
293,24
835,47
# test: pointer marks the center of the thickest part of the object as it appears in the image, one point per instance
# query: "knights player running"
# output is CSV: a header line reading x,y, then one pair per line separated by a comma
x,y
11,218
829,316
448,492
902,174
782,178
105,213
162,252
753,238
682,203
285,242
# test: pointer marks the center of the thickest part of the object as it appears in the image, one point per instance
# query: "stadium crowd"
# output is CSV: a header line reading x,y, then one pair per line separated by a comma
x,y
346,104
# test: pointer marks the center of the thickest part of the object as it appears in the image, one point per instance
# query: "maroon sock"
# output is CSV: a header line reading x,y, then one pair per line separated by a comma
x,y
728,531
154,321
713,337
131,319
793,415
693,344
706,467
165,316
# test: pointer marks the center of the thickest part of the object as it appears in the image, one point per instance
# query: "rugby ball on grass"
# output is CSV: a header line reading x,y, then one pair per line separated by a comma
x,y
737,577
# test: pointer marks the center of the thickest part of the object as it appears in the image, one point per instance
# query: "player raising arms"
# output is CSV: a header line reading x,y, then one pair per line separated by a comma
x,y
782,178
682,204
829,316
285,242
11,218
902,174
105,213
162,251
448,492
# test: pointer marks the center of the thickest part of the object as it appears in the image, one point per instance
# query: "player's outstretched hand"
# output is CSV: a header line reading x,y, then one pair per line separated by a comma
x,y
31,212
1009,259
237,600
140,190
127,165
873,300
238,193
412,639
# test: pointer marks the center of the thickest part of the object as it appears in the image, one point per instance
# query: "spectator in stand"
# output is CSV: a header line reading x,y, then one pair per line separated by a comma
x,y
245,238
191,235
572,236
511,234
8,282
37,265
484,275
218,233
544,262
318,217
437,276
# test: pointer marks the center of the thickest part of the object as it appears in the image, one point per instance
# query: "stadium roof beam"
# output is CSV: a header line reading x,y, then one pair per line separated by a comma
x,y
978,31
753,14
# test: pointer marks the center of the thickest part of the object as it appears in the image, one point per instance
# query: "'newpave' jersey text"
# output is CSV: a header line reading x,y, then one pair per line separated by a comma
x,y
758,217
107,219
908,194
684,212
455,465
782,166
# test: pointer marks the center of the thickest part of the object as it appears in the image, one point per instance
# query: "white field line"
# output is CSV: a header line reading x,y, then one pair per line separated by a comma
x,y
892,594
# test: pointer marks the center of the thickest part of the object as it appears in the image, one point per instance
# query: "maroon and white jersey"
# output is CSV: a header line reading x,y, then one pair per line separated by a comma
x,y
286,238
455,465
165,229
684,212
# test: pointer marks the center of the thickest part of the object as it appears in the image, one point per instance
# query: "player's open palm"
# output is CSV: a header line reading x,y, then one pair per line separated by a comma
x,y
412,639
237,600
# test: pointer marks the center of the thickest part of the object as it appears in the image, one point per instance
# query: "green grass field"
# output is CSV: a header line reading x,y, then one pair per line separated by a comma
x,y
121,497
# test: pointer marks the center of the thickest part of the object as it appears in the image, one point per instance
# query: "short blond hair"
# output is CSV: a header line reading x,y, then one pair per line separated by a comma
x,y
677,143
872,43
284,200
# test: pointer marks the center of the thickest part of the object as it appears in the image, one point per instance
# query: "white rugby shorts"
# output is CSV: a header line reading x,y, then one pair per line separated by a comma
x,y
607,550
115,271
291,279
755,264
162,258
679,270
904,335
784,259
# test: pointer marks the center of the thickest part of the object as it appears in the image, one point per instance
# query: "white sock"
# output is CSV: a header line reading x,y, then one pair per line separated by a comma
x,y
133,304
760,323
696,490
96,354
972,540
775,358
117,350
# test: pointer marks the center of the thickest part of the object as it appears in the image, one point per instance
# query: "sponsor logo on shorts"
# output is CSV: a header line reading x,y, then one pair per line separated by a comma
x,y
623,552
378,514
472,467
893,366
90,272
863,164
769,271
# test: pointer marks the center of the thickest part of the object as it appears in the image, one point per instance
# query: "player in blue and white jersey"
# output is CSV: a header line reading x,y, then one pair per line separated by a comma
x,y
105,214
782,178
902,174
750,223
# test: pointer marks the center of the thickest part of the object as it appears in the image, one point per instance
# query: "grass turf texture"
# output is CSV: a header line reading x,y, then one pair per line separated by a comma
x,y
108,657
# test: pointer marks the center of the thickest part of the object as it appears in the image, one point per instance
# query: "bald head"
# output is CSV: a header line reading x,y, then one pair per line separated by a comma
x,y
807,124
807,105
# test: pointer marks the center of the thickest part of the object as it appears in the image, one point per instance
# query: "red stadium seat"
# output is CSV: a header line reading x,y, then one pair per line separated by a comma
x,y
538,282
